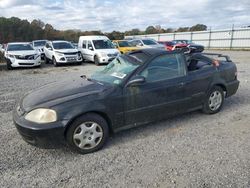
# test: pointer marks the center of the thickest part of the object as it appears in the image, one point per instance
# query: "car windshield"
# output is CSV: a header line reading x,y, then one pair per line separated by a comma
x,y
19,47
62,45
40,43
124,44
103,44
149,42
116,71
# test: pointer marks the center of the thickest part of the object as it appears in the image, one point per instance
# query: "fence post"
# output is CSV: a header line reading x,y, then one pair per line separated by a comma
x,y
174,36
159,37
232,37
191,37
209,38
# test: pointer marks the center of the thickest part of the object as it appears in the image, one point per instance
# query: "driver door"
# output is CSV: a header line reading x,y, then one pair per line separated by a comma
x,y
161,95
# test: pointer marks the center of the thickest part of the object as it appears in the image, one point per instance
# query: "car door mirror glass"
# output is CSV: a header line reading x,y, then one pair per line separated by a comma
x,y
137,80
90,48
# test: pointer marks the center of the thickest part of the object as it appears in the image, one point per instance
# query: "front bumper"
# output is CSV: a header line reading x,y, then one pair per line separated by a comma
x,y
43,135
68,59
25,62
232,87
106,59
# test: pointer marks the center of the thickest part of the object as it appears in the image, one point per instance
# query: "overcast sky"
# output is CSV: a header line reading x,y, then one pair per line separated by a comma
x,y
121,15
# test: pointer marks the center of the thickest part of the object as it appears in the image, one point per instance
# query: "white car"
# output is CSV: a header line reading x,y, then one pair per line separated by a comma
x,y
146,43
21,55
98,49
61,52
39,46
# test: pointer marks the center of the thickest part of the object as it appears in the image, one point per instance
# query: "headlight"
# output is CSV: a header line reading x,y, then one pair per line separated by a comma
x,y
10,56
36,56
41,115
59,54
102,54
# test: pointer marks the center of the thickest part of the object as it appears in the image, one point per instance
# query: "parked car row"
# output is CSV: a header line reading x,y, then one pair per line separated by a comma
x,y
97,49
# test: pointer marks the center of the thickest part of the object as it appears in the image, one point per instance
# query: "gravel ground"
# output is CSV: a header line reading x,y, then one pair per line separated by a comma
x,y
191,150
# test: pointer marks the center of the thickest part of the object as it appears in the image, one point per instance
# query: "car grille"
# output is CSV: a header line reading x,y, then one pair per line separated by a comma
x,y
26,57
71,58
26,63
112,55
70,53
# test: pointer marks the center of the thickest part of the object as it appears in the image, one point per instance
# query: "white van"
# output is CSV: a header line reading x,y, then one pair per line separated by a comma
x,y
98,49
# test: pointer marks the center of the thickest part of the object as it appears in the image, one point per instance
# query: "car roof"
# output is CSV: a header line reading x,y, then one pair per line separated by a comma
x,y
57,41
39,40
152,52
18,43
94,37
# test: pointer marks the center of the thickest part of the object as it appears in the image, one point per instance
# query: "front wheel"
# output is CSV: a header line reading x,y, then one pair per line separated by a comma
x,y
46,60
8,64
96,60
214,100
88,133
55,62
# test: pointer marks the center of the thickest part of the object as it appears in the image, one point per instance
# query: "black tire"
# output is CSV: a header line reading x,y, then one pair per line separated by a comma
x,y
208,107
54,61
46,60
96,60
8,64
75,143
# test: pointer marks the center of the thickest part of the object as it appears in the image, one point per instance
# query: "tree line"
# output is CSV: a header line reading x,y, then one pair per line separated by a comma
x,y
16,30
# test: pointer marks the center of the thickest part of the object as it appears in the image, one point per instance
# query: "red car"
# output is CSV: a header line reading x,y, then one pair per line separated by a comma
x,y
172,45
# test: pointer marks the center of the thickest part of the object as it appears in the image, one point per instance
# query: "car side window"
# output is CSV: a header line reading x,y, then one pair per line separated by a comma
x,y
84,44
90,44
195,63
165,67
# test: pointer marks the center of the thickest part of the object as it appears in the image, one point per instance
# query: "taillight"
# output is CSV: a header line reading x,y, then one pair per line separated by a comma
x,y
216,63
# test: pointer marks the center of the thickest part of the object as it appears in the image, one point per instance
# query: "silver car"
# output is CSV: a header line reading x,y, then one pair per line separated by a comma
x,y
146,43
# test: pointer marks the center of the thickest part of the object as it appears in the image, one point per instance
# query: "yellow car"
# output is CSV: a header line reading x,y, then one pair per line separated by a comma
x,y
123,46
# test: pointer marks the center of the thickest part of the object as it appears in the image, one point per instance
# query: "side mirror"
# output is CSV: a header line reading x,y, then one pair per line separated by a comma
x,y
90,48
49,48
137,80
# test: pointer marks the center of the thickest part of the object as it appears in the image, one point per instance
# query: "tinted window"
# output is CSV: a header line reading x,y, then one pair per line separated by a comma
x,y
19,47
103,44
149,42
84,44
124,44
90,45
62,45
40,43
165,67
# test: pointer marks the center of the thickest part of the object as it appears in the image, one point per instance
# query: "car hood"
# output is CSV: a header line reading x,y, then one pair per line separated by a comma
x,y
55,93
23,52
66,50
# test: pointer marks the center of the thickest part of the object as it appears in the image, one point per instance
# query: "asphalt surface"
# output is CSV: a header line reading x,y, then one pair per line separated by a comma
x,y
191,150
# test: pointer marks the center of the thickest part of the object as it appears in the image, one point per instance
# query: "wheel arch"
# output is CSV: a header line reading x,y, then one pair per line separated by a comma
x,y
222,87
100,113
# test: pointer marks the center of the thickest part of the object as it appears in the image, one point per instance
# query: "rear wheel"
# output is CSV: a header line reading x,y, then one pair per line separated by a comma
x,y
96,60
88,133
214,100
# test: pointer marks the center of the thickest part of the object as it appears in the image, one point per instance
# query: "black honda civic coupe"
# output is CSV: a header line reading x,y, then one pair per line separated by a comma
x,y
135,88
